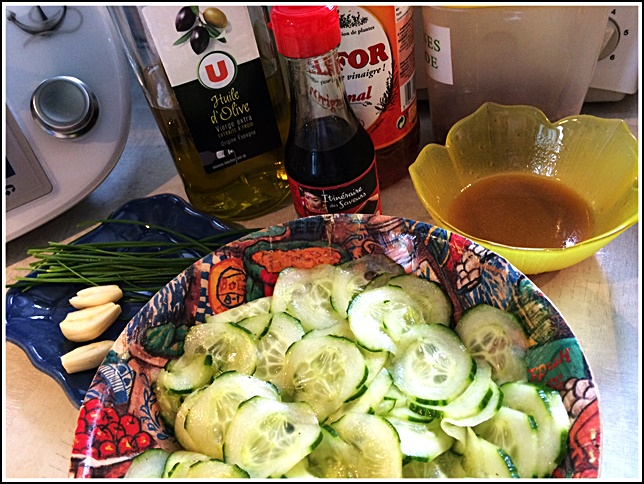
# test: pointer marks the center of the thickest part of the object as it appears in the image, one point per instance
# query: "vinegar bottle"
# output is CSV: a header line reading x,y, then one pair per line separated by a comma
x,y
213,81
378,68
330,157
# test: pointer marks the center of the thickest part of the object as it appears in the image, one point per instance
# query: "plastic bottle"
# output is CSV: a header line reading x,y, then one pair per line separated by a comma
x,y
378,68
213,81
330,157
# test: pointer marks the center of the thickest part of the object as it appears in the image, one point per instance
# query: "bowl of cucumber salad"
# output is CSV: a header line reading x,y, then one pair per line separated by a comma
x,y
343,346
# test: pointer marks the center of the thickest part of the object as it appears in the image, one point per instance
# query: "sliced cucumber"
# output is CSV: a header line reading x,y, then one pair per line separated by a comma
x,y
180,432
547,408
498,337
169,403
369,400
333,458
208,419
266,438
187,373
380,316
484,459
236,314
517,434
471,401
420,441
215,469
489,406
283,331
178,463
446,465
352,277
300,470
231,346
148,464
305,294
325,371
377,443
433,366
258,324
433,302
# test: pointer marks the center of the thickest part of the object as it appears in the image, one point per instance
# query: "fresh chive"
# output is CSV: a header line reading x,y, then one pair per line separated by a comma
x,y
139,271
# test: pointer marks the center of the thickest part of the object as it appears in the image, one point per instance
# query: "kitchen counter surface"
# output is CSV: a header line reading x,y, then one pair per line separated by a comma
x,y
598,297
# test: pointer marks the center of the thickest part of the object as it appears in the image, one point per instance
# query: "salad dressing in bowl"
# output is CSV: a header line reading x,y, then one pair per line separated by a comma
x,y
522,210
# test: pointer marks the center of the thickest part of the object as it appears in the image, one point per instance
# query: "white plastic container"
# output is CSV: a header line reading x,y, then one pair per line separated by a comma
x,y
542,56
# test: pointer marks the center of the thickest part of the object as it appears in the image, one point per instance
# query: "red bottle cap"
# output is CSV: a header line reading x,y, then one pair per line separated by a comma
x,y
305,31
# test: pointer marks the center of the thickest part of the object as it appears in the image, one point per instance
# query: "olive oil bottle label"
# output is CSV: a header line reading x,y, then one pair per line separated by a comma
x,y
377,59
212,61
361,195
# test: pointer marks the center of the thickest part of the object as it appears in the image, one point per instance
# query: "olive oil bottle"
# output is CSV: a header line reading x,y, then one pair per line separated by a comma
x,y
212,78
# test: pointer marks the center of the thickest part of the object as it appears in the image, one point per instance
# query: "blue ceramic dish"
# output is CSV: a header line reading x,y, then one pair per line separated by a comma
x,y
33,316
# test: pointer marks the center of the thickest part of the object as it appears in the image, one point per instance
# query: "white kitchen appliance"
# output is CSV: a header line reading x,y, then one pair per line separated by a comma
x,y
67,109
616,72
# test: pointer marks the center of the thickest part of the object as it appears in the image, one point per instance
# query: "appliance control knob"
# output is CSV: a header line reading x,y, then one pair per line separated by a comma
x,y
611,39
64,107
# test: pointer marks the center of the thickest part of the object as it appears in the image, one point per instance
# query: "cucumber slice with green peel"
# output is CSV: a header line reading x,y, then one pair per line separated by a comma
x,y
283,331
148,464
333,458
447,465
369,400
209,417
433,366
418,441
405,413
380,316
178,463
339,329
489,406
376,442
169,403
231,346
547,408
267,438
380,280
498,337
187,373
258,324
305,294
325,372
215,469
236,314
516,433
482,459
180,431
435,306
352,277
474,399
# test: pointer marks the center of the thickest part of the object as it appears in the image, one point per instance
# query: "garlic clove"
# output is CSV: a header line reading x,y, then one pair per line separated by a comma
x,y
86,357
96,295
89,323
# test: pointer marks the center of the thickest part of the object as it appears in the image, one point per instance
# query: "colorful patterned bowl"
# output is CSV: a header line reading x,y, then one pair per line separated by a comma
x,y
594,157
119,417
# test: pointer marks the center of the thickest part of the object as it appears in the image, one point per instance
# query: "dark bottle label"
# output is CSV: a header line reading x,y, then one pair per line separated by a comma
x,y
361,195
218,79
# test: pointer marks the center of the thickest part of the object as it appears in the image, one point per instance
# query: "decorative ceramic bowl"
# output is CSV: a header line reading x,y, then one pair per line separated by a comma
x,y
595,158
120,417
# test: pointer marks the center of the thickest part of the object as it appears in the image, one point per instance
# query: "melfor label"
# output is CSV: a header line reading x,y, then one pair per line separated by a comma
x,y
360,195
222,91
377,59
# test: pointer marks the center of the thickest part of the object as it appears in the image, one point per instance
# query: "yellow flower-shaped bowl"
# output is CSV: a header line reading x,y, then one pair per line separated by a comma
x,y
594,157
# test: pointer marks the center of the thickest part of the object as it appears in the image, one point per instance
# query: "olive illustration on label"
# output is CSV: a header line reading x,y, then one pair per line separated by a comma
x,y
185,19
199,39
215,17
200,27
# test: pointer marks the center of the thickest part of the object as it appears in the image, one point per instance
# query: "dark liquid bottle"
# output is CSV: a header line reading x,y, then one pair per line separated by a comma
x,y
329,156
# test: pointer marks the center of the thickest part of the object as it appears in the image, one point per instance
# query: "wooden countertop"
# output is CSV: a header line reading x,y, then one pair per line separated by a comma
x,y
599,298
